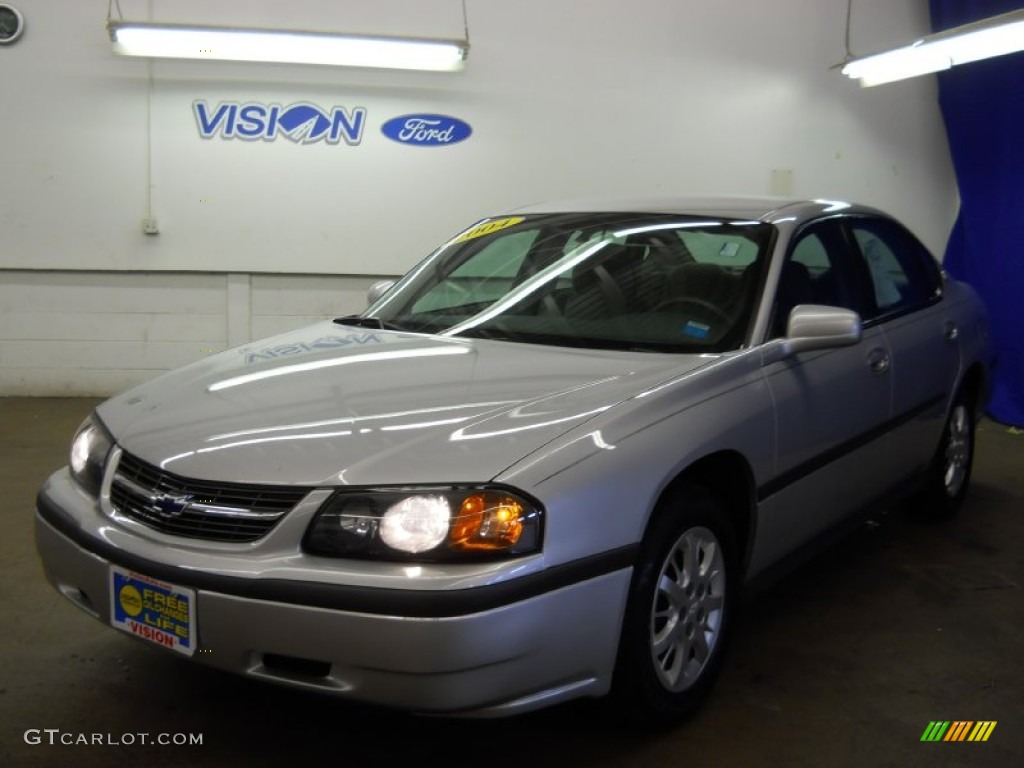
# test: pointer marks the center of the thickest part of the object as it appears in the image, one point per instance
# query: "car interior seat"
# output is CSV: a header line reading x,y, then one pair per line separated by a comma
x,y
614,283
795,288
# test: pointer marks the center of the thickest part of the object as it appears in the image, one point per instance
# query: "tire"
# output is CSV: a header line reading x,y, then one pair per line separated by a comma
x,y
679,610
949,474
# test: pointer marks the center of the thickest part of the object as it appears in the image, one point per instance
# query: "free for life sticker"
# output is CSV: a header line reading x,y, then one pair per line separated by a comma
x,y
162,613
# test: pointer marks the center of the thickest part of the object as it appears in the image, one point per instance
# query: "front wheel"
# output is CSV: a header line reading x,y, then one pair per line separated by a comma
x,y
679,610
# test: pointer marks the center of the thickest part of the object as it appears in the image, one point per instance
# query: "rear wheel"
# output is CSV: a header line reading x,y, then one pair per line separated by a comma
x,y
679,610
950,472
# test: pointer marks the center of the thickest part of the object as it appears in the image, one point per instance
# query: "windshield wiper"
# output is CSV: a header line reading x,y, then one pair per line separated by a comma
x,y
367,322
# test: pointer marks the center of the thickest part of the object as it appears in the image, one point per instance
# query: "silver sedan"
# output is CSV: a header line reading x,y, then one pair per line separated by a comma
x,y
540,466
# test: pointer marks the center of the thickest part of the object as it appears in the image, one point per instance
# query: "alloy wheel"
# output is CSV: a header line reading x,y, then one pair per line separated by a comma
x,y
686,616
958,450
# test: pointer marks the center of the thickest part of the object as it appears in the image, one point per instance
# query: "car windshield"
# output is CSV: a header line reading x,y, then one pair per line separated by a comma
x,y
656,282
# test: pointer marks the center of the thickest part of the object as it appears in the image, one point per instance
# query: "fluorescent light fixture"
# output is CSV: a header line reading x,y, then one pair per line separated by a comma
x,y
184,41
983,39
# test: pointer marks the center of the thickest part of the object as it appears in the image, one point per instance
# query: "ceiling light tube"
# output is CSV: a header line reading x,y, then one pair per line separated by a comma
x,y
995,36
183,41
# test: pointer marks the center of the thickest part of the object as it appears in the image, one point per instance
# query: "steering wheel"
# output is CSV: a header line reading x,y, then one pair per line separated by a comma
x,y
705,306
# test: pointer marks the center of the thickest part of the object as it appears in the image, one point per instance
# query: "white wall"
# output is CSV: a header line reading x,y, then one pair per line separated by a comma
x,y
566,99
73,333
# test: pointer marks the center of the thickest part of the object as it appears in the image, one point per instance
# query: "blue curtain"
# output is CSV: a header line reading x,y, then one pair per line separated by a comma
x,y
983,106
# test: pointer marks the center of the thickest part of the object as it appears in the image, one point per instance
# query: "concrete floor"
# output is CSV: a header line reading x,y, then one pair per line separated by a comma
x,y
842,664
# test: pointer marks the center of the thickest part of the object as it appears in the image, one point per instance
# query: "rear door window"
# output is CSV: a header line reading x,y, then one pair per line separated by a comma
x,y
903,274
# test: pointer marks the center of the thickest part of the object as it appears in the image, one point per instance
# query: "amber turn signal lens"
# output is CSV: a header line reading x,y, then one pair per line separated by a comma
x,y
487,521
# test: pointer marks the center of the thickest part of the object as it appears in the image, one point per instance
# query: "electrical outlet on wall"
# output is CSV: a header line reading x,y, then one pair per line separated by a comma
x,y
150,226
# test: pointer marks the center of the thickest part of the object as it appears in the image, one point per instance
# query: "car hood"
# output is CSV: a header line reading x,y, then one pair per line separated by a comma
x,y
331,404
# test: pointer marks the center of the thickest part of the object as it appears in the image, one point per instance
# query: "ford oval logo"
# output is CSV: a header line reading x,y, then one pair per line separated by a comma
x,y
426,130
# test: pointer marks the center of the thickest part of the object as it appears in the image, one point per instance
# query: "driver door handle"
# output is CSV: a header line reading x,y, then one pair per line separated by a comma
x,y
878,360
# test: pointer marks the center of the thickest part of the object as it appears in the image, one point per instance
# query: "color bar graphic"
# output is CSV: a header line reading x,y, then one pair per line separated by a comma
x,y
958,730
982,730
935,731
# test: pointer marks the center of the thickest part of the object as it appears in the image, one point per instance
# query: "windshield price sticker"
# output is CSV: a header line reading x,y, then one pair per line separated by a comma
x,y
489,228
161,613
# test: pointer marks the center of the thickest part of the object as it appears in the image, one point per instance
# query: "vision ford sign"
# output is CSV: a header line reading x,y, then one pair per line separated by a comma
x,y
301,122
426,130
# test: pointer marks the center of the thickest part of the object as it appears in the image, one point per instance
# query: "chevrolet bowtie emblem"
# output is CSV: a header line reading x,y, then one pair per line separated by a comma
x,y
170,506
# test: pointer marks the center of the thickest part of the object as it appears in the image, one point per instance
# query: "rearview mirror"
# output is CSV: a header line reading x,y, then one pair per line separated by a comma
x,y
377,290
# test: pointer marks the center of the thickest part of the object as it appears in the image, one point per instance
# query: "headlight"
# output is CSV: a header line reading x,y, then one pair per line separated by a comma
x,y
434,524
89,452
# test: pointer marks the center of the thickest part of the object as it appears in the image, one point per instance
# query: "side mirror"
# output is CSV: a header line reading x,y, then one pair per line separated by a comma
x,y
377,290
812,327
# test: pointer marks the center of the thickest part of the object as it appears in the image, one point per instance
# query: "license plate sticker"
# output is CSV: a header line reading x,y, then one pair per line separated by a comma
x,y
154,610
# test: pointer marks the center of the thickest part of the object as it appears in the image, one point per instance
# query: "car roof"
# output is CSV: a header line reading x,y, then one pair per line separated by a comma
x,y
766,209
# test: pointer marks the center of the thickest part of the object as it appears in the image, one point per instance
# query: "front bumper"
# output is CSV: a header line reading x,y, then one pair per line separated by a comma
x,y
499,646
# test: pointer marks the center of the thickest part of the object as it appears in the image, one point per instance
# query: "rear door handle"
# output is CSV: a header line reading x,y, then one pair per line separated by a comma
x,y
950,331
878,360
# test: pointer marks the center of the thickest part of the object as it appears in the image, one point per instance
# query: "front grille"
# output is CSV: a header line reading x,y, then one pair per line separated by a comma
x,y
198,509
